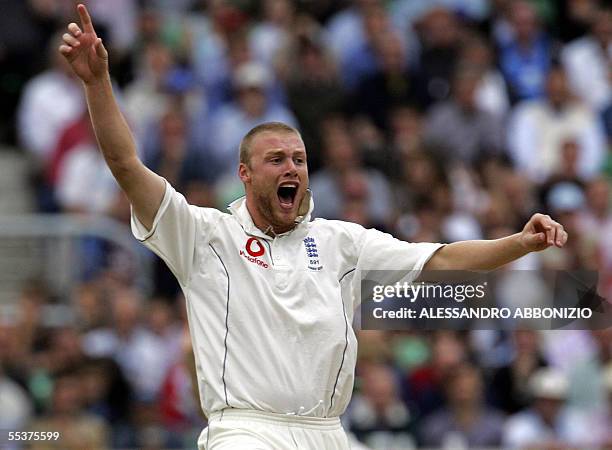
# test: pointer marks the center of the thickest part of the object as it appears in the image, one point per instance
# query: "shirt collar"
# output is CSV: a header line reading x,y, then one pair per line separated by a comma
x,y
238,208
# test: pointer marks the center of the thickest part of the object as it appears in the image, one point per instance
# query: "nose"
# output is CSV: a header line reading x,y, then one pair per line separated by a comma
x,y
290,168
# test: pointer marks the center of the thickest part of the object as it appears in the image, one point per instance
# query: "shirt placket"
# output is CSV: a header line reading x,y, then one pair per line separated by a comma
x,y
280,262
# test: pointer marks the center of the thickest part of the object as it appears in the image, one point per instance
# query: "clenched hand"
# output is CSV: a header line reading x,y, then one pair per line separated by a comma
x,y
542,232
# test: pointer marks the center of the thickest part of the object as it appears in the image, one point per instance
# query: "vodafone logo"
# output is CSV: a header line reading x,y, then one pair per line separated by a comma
x,y
254,247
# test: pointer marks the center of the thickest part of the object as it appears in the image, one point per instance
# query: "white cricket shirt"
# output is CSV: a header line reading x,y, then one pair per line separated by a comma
x,y
270,318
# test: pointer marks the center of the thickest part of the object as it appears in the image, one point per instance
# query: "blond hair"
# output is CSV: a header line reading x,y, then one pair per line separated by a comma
x,y
267,126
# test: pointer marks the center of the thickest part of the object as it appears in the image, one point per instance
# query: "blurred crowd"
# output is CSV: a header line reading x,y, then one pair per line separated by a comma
x,y
433,120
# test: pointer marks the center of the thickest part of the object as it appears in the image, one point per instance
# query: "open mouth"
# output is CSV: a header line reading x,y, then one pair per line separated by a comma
x,y
286,195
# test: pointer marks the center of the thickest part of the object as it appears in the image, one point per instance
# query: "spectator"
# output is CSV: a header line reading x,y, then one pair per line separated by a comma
x,y
470,134
107,395
77,429
509,383
49,102
172,154
492,91
146,97
596,222
406,132
251,108
143,357
575,17
314,90
344,177
525,56
466,421
421,173
538,129
426,383
549,423
509,197
25,28
273,32
587,62
377,416
440,34
219,46
348,37
360,60
391,85
91,309
566,201
84,184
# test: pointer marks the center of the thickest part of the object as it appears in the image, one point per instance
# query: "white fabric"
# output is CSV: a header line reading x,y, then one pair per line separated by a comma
x,y
121,17
272,330
587,65
144,357
266,40
247,429
85,182
536,133
492,94
527,429
14,404
50,102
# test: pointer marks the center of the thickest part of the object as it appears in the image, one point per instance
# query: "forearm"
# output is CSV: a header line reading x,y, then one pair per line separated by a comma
x,y
477,255
112,132
144,188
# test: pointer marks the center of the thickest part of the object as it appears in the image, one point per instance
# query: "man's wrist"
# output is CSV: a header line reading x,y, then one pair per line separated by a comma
x,y
97,81
518,244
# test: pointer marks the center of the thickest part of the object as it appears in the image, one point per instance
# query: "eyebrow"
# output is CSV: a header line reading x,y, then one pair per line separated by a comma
x,y
273,153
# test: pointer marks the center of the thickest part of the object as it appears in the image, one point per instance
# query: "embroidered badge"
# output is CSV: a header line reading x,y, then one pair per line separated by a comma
x,y
312,253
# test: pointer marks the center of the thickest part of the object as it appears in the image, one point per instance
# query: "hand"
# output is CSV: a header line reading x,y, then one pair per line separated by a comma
x,y
84,51
542,232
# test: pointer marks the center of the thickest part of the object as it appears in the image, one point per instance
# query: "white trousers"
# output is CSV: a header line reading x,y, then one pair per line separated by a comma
x,y
241,429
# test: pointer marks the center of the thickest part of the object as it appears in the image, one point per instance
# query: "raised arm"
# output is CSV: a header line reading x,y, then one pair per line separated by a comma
x,y
84,50
538,234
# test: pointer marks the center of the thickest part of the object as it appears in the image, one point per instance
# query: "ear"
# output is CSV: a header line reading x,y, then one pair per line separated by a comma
x,y
244,172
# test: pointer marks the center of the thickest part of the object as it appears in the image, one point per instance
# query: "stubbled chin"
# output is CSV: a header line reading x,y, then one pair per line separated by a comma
x,y
286,216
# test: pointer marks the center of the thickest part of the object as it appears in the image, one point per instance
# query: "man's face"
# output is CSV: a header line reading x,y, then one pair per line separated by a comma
x,y
276,178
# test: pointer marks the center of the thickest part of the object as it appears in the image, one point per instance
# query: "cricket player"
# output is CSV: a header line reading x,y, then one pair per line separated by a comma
x,y
270,293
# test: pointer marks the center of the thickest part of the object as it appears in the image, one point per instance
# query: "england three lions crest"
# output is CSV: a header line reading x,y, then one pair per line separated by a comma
x,y
312,253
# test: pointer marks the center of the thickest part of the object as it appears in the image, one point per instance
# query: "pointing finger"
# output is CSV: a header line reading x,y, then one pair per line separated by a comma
x,y
85,19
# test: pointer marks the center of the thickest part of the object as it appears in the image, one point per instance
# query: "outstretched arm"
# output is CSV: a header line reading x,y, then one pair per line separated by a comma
x,y
84,50
539,233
